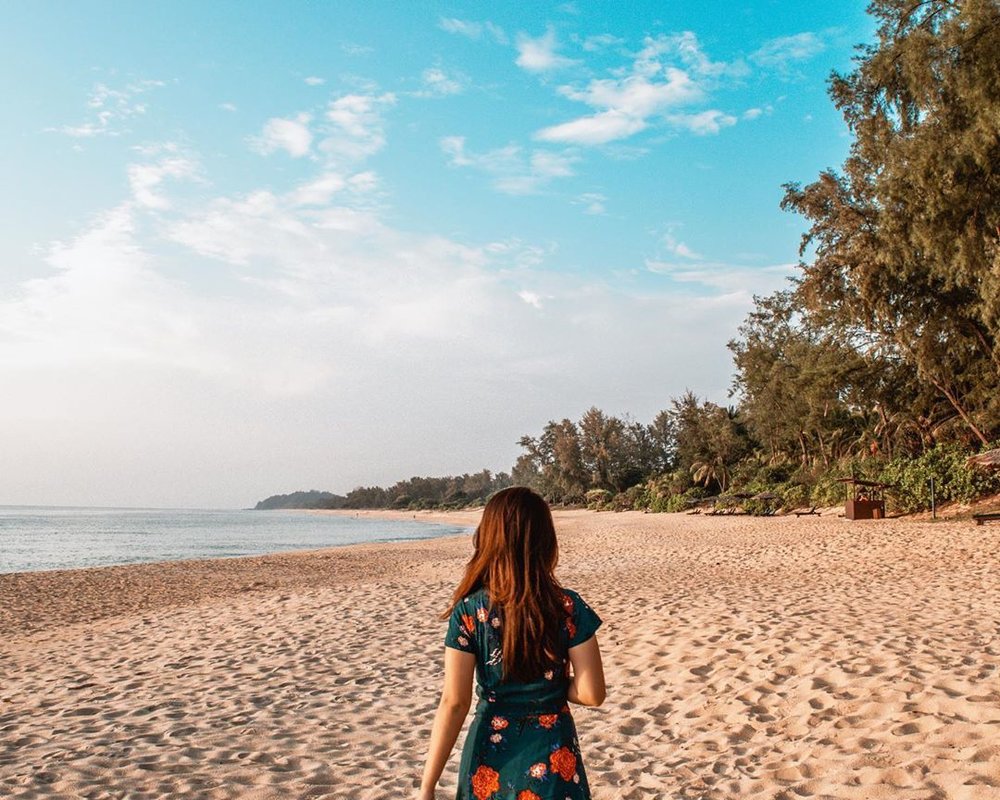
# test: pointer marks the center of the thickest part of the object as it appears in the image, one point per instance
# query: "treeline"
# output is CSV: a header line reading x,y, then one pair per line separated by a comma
x,y
455,491
601,456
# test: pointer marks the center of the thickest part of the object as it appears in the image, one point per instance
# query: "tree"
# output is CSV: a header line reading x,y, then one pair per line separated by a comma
x,y
907,238
710,440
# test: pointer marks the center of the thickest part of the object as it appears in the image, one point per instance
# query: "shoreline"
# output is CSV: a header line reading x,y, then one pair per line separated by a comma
x,y
465,516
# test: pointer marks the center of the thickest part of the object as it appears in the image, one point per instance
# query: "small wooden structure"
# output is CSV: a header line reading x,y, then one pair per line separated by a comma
x,y
865,499
988,458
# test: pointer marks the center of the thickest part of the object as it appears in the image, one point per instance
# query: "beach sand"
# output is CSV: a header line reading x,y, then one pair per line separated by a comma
x,y
776,658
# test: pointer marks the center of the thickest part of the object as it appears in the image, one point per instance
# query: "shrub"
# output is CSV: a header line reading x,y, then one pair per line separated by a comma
x,y
953,480
632,499
793,495
598,499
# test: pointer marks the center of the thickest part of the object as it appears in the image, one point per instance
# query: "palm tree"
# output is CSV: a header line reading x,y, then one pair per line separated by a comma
x,y
704,472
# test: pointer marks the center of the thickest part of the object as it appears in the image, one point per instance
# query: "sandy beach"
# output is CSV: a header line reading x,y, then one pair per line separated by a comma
x,y
776,658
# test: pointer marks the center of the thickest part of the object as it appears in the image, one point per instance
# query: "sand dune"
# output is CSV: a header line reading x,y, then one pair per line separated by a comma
x,y
747,658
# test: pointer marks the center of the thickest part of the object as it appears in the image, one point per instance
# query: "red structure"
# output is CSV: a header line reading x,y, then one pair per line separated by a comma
x,y
865,499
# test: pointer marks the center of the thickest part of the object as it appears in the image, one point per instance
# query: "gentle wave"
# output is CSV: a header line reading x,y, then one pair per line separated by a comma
x,y
39,538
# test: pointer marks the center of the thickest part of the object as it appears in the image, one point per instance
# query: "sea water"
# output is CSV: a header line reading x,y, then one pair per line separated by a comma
x,y
37,538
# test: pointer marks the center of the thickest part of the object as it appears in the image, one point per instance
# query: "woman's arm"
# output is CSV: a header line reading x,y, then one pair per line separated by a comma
x,y
587,687
456,698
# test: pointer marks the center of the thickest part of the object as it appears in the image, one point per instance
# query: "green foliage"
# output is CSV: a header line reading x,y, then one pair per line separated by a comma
x,y
907,262
635,498
677,502
793,495
454,491
953,480
598,499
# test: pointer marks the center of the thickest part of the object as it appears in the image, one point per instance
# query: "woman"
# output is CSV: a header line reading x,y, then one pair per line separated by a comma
x,y
532,647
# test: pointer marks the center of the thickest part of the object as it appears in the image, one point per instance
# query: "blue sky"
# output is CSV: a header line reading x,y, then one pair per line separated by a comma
x,y
253,247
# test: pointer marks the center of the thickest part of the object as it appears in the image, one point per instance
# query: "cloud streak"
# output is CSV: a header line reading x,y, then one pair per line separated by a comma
x,y
112,110
781,53
473,30
513,170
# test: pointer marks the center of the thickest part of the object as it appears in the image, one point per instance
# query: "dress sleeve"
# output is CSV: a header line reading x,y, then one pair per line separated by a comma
x,y
584,621
461,633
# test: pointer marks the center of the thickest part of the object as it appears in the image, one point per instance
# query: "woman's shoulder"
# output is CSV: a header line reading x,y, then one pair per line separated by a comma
x,y
573,601
572,594
475,598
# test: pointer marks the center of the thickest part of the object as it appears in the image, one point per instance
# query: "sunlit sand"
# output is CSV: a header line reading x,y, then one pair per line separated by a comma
x,y
746,658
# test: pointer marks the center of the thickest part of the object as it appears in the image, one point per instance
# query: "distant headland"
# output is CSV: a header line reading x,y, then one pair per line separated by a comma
x,y
310,499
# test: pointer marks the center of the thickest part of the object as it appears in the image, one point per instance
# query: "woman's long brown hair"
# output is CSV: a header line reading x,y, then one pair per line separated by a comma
x,y
514,558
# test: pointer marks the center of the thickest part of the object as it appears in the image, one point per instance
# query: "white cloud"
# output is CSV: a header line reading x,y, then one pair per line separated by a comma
x,y
704,122
752,113
111,108
688,49
602,41
319,191
313,80
531,298
327,186
731,280
668,72
780,53
355,126
607,126
355,49
363,182
438,83
593,203
539,55
548,164
627,104
227,106
512,169
145,179
677,248
291,135
350,130
473,30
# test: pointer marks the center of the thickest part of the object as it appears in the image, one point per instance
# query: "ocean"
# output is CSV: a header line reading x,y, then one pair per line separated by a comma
x,y
37,538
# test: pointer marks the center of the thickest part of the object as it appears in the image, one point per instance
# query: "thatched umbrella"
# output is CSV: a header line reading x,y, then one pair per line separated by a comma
x,y
988,458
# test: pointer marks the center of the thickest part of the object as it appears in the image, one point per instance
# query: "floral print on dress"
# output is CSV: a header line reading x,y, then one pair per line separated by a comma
x,y
522,742
485,782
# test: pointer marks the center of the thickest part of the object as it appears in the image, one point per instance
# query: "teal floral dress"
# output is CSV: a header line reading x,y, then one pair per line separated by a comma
x,y
522,742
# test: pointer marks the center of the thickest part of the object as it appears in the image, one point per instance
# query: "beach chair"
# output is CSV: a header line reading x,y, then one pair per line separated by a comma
x,y
801,513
